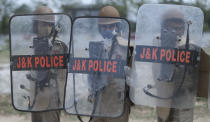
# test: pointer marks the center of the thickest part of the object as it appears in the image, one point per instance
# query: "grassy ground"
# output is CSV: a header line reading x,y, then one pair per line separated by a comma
x,y
140,114
4,56
201,109
6,110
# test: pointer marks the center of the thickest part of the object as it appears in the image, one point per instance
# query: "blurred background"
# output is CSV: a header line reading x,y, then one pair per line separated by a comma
x,y
127,9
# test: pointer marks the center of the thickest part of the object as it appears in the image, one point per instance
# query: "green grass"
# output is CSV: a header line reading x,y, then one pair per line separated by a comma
x,y
4,56
201,108
6,107
137,113
147,113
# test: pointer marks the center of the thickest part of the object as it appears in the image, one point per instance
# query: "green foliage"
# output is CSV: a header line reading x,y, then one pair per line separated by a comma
x,y
67,8
39,3
179,2
132,26
121,6
4,25
23,9
7,8
5,11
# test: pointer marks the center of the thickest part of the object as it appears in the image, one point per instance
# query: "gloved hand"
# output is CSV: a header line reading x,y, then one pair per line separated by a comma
x,y
91,98
28,76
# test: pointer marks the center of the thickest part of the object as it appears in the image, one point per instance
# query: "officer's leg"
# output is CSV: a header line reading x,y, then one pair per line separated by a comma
x,y
36,117
123,118
177,115
181,115
51,116
98,119
162,113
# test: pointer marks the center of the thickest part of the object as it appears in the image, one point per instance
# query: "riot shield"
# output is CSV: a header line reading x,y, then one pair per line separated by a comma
x,y
39,46
166,55
96,79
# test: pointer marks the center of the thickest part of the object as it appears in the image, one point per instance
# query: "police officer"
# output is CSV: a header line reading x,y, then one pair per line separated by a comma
x,y
173,22
110,31
46,86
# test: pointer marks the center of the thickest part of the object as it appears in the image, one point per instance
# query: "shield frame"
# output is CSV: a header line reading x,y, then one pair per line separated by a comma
x,y
132,96
127,60
10,46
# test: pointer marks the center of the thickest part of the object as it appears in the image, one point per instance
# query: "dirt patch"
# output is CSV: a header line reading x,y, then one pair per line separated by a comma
x,y
14,118
27,118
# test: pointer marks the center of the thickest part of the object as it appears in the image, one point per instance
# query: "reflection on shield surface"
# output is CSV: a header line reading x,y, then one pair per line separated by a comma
x,y
96,79
39,48
167,50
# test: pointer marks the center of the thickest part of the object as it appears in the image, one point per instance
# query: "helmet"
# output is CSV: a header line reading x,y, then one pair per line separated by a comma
x,y
173,15
108,11
44,18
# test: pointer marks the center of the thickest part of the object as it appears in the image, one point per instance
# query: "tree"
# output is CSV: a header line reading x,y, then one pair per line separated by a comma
x,y
5,11
23,9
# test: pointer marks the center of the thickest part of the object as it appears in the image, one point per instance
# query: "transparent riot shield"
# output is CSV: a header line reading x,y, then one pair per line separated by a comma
x,y
96,79
166,55
39,46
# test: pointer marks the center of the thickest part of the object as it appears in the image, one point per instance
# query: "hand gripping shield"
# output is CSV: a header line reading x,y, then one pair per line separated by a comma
x,y
38,57
96,79
166,55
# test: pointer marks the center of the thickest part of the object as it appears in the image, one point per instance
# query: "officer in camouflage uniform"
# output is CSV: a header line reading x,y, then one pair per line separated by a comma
x,y
47,87
174,20
114,90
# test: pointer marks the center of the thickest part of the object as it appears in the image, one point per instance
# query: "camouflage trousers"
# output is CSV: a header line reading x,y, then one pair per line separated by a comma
x,y
123,118
51,116
175,115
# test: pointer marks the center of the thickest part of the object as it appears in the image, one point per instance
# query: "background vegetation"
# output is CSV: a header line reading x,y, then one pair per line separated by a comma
x,y
126,7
